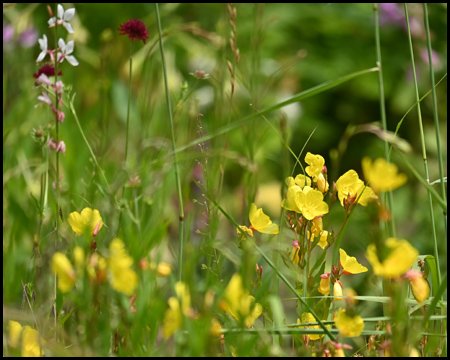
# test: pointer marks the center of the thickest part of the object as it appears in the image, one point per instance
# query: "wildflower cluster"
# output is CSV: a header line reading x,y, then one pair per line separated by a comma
x,y
55,88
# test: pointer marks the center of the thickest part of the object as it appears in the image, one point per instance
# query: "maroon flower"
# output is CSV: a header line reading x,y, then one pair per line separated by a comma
x,y
135,29
48,70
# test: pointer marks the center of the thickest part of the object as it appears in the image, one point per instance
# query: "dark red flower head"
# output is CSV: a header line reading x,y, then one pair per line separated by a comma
x,y
135,29
48,70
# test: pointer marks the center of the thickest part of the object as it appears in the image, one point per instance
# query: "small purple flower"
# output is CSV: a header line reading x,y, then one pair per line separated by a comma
x,y
390,13
135,29
8,33
435,58
28,38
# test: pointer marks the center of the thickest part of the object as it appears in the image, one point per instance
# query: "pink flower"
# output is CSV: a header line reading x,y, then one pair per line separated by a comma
x,y
135,29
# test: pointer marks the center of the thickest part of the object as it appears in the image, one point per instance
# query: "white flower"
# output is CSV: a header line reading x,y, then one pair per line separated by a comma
x,y
64,17
66,50
43,45
44,98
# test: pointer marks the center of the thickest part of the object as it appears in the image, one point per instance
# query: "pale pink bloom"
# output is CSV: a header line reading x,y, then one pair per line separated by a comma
x,y
62,148
64,17
52,144
45,98
66,50
44,80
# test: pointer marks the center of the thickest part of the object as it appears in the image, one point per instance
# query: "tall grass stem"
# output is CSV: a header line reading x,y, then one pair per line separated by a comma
x,y
175,163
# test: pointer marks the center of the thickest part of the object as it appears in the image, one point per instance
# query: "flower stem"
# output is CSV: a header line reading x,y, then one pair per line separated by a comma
x,y
129,102
424,150
175,163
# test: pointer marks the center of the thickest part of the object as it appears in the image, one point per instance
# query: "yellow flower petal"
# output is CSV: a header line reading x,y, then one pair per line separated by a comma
x,y
88,219
62,267
311,203
420,289
399,261
15,329
324,287
31,343
349,326
349,184
381,175
316,163
290,203
123,278
261,221
350,264
309,318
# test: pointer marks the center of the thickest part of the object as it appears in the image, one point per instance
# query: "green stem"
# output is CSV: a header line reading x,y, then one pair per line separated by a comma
x,y
424,151
390,198
435,114
129,102
175,163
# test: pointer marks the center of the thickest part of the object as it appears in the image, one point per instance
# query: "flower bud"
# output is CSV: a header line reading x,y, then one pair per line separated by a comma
x,y
337,290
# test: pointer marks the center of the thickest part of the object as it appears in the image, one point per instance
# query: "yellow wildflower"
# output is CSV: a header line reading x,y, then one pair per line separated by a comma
x,y
323,239
300,181
260,222
337,291
163,269
178,306
246,229
399,261
62,267
30,339
324,287
322,183
123,278
317,226
309,318
350,184
349,326
87,219
238,302
350,264
316,163
381,175
311,203
96,268
419,286
291,201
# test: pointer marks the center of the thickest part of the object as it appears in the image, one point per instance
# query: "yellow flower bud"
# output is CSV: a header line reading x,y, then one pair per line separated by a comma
x,y
420,288
337,291
163,269
324,287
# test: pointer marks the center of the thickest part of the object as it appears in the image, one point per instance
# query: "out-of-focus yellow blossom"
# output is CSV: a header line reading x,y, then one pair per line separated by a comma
x,y
238,302
316,163
179,305
30,339
163,269
260,222
381,175
350,264
79,258
414,353
15,330
96,268
300,181
350,296
419,286
322,183
215,327
399,261
324,287
349,326
62,267
311,203
123,278
246,229
309,318
339,353
87,219
350,184
337,291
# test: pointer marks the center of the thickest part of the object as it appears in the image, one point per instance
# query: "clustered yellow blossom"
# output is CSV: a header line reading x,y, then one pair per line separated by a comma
x,y
309,318
238,302
398,262
381,175
31,341
178,306
63,269
87,220
350,185
317,230
349,326
123,277
260,222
